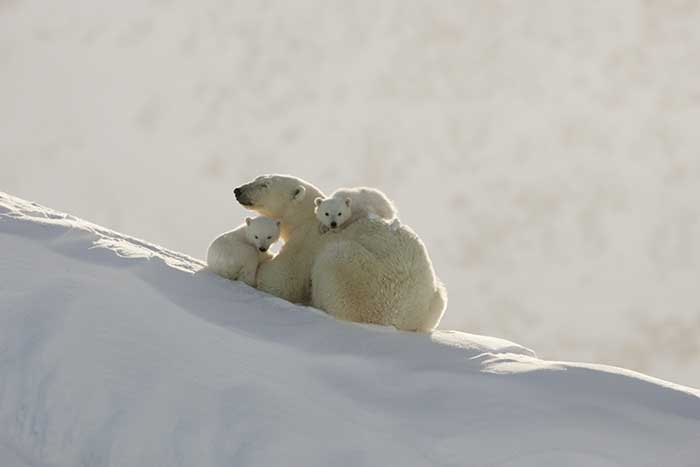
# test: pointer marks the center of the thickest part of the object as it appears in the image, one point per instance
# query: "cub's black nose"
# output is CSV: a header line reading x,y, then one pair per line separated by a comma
x,y
262,249
334,224
236,191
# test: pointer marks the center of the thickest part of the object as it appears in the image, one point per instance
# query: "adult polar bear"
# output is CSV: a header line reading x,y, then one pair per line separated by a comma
x,y
368,272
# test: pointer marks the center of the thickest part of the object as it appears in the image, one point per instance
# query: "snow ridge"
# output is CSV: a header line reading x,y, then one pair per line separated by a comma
x,y
114,351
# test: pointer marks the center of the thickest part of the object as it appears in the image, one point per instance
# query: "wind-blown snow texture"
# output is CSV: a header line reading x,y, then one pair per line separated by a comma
x,y
117,352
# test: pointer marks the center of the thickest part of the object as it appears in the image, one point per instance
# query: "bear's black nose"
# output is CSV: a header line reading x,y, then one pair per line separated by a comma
x,y
236,192
263,249
334,224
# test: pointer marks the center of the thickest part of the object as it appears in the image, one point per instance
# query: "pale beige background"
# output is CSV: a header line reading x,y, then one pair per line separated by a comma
x,y
548,152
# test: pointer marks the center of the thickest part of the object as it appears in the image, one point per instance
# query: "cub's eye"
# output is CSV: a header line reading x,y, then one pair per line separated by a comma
x,y
326,213
269,238
340,214
256,237
264,185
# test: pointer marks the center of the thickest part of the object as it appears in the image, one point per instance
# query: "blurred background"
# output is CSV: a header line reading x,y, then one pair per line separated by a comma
x,y
547,152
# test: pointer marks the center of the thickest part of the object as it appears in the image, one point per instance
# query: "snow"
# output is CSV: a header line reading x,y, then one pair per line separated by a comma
x,y
114,351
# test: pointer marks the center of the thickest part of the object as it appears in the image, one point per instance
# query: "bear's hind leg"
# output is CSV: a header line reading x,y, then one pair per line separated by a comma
x,y
249,272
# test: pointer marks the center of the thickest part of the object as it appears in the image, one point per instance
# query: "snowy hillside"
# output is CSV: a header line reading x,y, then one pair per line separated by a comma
x,y
117,352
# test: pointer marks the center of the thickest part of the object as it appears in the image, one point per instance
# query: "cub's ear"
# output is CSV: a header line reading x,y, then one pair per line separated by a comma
x,y
278,223
298,193
248,220
348,202
318,201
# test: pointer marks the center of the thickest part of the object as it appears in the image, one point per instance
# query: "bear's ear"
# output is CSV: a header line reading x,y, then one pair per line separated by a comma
x,y
318,201
278,223
348,202
299,193
248,220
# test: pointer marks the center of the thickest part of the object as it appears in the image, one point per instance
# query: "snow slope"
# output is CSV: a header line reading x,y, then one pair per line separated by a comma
x,y
117,352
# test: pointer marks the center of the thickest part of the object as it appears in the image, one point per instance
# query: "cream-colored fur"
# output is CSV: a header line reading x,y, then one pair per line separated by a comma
x,y
346,205
290,200
369,272
236,254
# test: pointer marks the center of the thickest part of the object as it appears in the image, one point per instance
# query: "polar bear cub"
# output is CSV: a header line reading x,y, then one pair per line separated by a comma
x,y
236,254
346,205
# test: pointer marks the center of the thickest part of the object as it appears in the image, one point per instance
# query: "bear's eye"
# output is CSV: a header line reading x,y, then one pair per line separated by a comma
x,y
256,237
340,214
269,238
326,213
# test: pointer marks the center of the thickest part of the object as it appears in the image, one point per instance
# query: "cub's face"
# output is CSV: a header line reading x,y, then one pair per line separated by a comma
x,y
333,212
262,232
271,195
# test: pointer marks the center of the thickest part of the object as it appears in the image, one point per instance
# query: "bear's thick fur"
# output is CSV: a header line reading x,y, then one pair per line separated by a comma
x,y
237,253
368,272
346,205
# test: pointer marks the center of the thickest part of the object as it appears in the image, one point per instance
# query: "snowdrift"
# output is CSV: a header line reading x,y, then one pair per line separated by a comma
x,y
117,352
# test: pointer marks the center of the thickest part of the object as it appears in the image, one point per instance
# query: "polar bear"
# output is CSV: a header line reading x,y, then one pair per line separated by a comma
x,y
367,272
237,254
346,205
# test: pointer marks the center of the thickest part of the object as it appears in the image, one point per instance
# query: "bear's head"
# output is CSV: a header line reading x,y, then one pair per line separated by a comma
x,y
262,232
281,197
333,212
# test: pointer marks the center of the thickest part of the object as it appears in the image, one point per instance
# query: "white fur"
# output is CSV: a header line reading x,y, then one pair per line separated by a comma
x,y
390,267
237,254
346,205
368,272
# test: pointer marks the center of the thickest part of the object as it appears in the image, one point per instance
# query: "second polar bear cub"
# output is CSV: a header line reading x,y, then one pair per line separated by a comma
x,y
236,254
346,205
